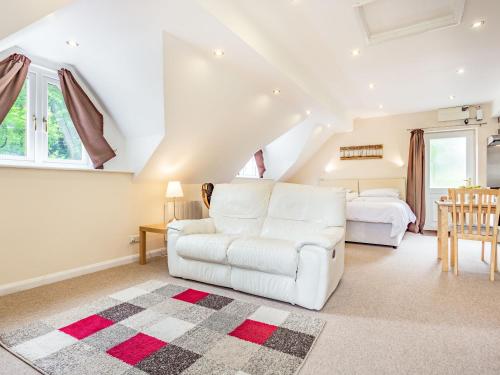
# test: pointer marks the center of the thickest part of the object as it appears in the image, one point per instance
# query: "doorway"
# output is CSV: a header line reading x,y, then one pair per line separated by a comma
x,y
450,159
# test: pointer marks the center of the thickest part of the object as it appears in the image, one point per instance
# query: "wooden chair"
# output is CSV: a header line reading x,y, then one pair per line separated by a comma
x,y
475,214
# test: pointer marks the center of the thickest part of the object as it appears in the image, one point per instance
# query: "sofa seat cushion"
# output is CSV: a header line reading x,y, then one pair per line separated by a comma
x,y
278,257
205,247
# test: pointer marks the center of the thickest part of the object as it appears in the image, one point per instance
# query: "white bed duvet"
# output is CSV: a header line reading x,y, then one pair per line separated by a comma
x,y
388,210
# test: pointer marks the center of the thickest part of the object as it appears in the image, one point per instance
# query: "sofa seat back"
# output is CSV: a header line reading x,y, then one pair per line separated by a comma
x,y
240,209
296,211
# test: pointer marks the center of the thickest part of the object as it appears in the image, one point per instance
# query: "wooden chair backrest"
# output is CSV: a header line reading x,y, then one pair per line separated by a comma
x,y
475,213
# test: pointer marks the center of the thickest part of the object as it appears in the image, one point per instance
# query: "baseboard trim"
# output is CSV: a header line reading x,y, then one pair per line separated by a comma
x,y
19,286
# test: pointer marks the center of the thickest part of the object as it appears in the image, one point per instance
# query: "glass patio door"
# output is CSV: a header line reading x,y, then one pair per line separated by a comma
x,y
450,161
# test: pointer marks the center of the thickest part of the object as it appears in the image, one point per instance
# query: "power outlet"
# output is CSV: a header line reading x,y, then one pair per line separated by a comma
x,y
133,239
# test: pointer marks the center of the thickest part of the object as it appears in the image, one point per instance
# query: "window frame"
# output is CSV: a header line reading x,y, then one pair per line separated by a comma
x,y
30,127
255,169
44,157
39,78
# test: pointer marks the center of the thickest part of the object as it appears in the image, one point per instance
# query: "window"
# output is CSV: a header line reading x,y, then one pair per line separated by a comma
x,y
63,142
38,129
250,170
14,129
448,162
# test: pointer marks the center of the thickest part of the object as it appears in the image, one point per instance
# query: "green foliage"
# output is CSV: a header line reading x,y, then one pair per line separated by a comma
x,y
13,128
448,162
63,140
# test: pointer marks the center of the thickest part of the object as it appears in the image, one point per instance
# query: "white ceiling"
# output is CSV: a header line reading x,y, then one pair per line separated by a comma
x,y
411,74
185,114
20,13
384,20
385,15
187,125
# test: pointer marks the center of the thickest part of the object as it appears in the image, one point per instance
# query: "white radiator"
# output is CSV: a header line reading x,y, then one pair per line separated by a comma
x,y
183,210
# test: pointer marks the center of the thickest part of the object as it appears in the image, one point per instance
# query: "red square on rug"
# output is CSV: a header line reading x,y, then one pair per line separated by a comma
x,y
191,295
253,331
87,326
136,348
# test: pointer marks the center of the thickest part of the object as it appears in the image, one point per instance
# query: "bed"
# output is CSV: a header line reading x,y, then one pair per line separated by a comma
x,y
375,219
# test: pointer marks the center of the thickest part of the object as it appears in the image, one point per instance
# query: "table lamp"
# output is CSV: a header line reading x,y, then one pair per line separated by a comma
x,y
174,190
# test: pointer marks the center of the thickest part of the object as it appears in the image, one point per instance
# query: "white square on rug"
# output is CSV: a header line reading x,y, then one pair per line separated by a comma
x,y
269,315
128,294
44,345
143,319
168,329
151,285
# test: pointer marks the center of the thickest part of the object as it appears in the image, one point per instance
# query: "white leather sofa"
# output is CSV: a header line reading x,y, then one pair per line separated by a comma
x,y
281,241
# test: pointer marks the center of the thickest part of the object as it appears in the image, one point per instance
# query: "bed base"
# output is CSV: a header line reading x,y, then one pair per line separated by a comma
x,y
372,233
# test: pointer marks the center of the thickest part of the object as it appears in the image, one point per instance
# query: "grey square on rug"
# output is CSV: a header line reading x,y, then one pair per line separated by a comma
x,y
165,329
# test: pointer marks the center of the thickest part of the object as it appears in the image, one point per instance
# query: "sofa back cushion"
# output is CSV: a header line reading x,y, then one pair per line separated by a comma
x,y
298,210
240,208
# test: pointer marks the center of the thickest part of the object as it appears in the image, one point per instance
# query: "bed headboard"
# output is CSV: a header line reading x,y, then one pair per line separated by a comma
x,y
362,184
351,184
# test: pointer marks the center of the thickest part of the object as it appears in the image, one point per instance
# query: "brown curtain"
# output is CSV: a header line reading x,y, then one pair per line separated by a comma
x,y
259,160
87,119
13,73
415,185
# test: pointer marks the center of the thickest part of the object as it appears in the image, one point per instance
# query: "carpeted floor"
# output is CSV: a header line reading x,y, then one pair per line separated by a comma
x,y
394,312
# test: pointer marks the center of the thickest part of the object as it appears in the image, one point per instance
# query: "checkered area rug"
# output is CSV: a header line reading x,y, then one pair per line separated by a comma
x,y
159,328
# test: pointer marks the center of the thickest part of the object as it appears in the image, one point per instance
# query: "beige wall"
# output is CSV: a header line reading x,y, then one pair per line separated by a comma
x,y
52,220
391,132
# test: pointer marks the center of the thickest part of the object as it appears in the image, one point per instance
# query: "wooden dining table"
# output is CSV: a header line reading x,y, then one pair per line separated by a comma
x,y
443,230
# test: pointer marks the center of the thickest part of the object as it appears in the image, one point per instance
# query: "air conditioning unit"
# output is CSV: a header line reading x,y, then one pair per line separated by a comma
x,y
453,114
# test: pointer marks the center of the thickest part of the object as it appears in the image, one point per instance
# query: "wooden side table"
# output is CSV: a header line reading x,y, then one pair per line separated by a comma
x,y
143,229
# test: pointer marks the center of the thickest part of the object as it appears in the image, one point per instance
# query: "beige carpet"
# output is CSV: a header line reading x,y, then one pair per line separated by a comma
x,y
393,313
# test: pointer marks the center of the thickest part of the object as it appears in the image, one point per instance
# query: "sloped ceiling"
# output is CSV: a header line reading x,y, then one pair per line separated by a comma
x,y
411,74
185,114
219,111
17,14
189,116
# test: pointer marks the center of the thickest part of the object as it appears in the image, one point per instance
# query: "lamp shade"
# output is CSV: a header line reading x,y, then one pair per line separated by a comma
x,y
174,190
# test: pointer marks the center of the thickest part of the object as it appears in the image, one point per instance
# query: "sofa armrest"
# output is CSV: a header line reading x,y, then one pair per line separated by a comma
x,y
184,227
326,239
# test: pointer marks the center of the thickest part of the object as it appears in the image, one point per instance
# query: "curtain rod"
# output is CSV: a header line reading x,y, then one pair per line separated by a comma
x,y
450,126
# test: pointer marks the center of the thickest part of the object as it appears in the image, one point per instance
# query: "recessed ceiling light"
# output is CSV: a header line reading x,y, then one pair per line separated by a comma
x,y
328,126
218,52
371,86
308,112
451,97
380,106
356,52
72,43
478,24
276,91
460,71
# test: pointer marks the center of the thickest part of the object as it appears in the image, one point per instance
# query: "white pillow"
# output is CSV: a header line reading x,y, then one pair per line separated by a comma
x,y
387,192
